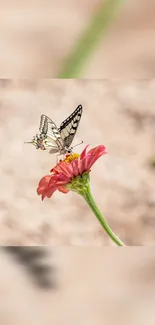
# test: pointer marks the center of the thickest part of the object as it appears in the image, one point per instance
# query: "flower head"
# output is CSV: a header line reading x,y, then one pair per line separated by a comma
x,y
70,174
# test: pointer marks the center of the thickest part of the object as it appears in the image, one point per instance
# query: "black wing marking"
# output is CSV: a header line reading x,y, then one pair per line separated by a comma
x,y
69,126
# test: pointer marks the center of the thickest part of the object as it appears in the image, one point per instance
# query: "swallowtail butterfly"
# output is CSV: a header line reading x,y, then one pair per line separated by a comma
x,y
58,140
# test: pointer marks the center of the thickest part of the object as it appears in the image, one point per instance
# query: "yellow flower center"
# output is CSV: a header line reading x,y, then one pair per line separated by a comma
x,y
71,157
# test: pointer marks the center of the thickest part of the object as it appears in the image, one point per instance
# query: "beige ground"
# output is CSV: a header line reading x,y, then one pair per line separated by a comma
x,y
94,286
118,115
37,35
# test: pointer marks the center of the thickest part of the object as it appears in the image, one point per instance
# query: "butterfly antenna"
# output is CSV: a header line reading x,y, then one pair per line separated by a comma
x,y
78,144
28,142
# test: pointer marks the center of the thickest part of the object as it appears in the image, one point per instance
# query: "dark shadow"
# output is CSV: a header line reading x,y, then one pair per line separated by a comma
x,y
34,261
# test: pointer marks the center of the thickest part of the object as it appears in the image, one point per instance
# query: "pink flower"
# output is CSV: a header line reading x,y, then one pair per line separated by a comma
x,y
70,169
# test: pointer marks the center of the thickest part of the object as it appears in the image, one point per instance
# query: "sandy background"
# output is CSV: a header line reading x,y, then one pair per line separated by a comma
x,y
94,286
120,116
36,36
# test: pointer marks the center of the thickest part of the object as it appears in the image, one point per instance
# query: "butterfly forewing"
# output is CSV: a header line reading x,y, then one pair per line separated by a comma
x,y
43,124
48,128
69,126
50,132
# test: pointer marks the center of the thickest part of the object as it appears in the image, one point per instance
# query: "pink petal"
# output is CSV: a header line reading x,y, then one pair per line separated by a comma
x,y
57,168
45,180
66,168
83,165
83,161
59,179
97,149
83,153
63,167
75,167
43,184
95,154
49,192
46,191
63,190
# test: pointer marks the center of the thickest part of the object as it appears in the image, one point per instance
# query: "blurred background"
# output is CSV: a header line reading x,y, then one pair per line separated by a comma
x,y
36,37
119,115
94,286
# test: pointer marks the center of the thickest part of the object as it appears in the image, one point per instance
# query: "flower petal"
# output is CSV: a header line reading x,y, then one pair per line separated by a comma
x,y
83,165
83,153
75,167
46,191
43,184
65,168
63,190
83,161
56,169
60,179
45,180
49,192
95,154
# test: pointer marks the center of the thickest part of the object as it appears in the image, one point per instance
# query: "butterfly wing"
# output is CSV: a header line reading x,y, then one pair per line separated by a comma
x,y
69,126
50,132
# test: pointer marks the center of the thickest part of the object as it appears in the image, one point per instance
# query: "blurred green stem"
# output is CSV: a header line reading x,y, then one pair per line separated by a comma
x,y
74,64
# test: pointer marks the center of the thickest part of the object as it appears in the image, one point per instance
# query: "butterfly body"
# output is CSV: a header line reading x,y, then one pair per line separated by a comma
x,y
58,140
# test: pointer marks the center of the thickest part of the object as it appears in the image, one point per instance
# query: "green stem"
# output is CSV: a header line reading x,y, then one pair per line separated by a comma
x,y
85,46
89,199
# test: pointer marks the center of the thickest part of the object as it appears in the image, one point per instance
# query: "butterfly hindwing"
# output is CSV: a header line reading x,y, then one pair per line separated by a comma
x,y
69,126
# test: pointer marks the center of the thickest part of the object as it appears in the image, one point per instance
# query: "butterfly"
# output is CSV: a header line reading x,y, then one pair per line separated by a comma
x,y
58,140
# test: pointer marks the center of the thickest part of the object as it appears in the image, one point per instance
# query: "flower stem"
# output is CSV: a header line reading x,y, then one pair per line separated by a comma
x,y
89,199
87,43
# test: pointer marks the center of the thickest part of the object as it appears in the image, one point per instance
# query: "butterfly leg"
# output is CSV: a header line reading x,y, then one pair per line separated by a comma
x,y
57,159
